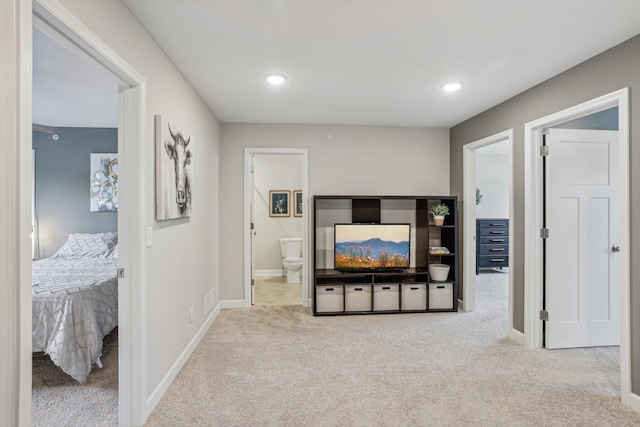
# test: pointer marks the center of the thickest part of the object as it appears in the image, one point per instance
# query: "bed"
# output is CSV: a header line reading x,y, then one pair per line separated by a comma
x,y
75,301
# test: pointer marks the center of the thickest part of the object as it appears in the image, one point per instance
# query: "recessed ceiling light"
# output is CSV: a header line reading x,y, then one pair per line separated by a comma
x,y
451,86
276,79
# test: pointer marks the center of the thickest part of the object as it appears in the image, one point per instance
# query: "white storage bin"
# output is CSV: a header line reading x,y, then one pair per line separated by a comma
x,y
440,296
439,272
357,297
414,297
386,297
329,298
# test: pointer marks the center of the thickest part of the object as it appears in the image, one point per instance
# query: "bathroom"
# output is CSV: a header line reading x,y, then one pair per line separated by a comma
x,y
276,177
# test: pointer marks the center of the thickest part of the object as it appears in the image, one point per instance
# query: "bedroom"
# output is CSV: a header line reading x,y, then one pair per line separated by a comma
x,y
75,150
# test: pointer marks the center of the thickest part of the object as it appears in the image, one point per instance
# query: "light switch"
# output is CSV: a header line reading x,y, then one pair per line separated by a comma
x,y
149,236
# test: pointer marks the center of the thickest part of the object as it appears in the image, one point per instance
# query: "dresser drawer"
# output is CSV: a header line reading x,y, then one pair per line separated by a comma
x,y
493,223
493,249
493,231
493,240
493,261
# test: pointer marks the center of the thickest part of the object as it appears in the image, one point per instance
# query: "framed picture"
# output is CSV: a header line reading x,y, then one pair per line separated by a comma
x,y
104,182
297,202
173,171
279,203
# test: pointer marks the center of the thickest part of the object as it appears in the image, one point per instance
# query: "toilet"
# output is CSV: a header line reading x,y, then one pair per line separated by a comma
x,y
291,250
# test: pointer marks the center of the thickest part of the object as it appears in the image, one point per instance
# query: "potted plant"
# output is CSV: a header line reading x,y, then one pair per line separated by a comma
x,y
439,211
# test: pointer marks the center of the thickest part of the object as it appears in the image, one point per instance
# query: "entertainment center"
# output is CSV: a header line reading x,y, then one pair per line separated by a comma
x,y
373,254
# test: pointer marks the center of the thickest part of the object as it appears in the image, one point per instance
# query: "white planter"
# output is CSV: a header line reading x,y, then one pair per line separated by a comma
x,y
438,219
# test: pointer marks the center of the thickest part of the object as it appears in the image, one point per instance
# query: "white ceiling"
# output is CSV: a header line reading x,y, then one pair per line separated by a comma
x,y
69,89
375,62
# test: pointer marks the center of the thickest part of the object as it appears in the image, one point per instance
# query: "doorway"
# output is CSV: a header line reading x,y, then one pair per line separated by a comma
x,y
131,152
255,202
276,178
75,136
498,202
534,222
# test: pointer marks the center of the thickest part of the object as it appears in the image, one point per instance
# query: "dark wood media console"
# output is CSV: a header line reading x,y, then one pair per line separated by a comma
x,y
377,292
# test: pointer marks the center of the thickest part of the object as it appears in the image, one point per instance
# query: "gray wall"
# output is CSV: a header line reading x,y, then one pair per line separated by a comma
x,y
612,70
359,160
62,185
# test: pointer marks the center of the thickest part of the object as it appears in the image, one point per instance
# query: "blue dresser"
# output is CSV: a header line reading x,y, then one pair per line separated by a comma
x,y
492,243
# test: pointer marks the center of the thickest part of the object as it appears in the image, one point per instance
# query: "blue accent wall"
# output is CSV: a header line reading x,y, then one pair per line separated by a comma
x,y
62,181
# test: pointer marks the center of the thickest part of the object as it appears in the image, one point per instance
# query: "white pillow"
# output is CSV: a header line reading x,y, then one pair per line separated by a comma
x,y
96,245
114,252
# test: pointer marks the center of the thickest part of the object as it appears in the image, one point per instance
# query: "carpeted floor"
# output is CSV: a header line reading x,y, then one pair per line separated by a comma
x,y
59,400
279,366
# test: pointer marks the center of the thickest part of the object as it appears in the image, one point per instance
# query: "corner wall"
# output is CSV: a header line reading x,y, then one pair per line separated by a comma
x,y
610,71
358,160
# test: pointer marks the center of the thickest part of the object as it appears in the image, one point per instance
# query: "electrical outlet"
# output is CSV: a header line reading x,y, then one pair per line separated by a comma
x,y
191,315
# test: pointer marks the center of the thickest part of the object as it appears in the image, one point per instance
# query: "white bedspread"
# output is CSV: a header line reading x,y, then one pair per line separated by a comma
x,y
75,304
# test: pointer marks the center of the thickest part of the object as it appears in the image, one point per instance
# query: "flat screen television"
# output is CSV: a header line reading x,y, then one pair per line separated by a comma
x,y
371,247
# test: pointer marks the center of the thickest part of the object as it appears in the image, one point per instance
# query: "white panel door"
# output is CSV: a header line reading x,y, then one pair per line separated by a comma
x,y
582,267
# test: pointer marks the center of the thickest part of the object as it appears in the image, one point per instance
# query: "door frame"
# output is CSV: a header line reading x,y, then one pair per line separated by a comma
x,y
248,190
533,196
131,214
468,302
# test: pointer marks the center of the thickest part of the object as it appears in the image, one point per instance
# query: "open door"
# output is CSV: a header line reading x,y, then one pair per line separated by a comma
x,y
582,263
252,232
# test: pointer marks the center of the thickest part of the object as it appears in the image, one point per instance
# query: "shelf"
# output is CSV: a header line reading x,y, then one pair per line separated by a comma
x,y
330,210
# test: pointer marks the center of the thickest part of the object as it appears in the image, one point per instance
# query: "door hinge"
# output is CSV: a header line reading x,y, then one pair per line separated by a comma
x,y
120,273
252,226
544,150
544,315
544,233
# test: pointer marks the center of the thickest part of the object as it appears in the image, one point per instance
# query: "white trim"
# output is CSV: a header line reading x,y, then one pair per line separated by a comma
x,y
131,137
533,222
247,218
517,336
634,402
469,219
268,273
23,114
163,385
232,303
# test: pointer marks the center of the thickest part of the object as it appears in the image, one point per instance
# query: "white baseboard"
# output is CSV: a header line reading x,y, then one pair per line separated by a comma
x,y
268,273
517,336
163,386
232,303
634,402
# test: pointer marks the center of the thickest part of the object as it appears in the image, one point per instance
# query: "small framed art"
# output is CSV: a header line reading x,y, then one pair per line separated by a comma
x,y
279,203
297,202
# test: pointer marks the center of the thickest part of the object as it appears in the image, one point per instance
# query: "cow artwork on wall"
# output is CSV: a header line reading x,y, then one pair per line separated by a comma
x,y
173,171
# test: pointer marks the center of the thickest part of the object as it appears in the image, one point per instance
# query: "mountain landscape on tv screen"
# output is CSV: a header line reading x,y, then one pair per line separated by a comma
x,y
372,253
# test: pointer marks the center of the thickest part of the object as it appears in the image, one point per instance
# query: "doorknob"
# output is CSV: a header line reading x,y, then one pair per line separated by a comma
x,y
615,248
